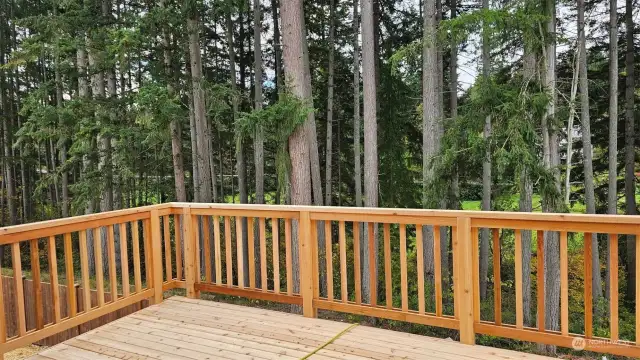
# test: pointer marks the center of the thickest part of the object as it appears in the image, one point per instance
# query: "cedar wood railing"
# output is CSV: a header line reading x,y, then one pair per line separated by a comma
x,y
160,264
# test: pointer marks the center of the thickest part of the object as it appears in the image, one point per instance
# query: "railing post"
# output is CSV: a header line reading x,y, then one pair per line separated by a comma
x,y
156,256
189,253
306,242
463,248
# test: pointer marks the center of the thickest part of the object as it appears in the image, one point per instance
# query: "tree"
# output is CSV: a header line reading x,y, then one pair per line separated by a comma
x,y
370,135
204,185
356,106
329,151
296,70
629,148
432,128
587,150
486,165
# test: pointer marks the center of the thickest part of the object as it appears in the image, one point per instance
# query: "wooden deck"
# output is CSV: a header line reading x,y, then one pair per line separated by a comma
x,y
181,328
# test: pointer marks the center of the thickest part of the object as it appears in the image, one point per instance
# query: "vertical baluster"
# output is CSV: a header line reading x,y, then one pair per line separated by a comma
x,y
373,281
420,268
288,260
196,245
97,247
124,260
69,274
148,248
497,282
263,253
637,237
84,266
315,260
190,223
540,276
518,265
111,248
387,265
154,241
239,252
137,278
177,224
328,258
227,249
404,290
356,263
217,249
437,266
476,269
613,283
588,286
343,263
17,278
564,284
53,275
206,232
3,320
37,288
167,248
252,252
275,247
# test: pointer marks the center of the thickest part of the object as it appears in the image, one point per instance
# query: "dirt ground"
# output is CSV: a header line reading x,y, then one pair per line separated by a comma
x,y
23,353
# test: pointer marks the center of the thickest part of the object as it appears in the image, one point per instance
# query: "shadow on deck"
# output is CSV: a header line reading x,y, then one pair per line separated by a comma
x,y
181,328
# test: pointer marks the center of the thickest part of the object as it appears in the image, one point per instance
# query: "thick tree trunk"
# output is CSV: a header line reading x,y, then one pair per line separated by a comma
x,y
486,166
630,150
356,106
370,134
258,140
329,148
175,129
296,70
612,193
587,149
241,167
204,187
432,127
526,201
550,201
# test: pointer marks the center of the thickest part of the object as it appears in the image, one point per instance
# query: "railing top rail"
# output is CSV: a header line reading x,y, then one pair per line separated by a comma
x,y
495,215
8,234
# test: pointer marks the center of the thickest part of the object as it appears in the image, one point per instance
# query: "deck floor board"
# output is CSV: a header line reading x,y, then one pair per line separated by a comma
x,y
181,329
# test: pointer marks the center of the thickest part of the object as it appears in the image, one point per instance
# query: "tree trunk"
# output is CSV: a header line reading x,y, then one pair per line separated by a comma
x,y
630,150
356,106
8,173
486,166
612,193
572,115
587,150
258,140
175,128
277,46
241,166
296,70
526,200
370,135
329,149
204,187
432,127
550,201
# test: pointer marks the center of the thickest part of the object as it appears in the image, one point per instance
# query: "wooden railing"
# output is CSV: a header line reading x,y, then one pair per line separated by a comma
x,y
202,247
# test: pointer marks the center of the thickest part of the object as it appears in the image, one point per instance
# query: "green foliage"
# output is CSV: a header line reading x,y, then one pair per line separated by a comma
x,y
278,122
